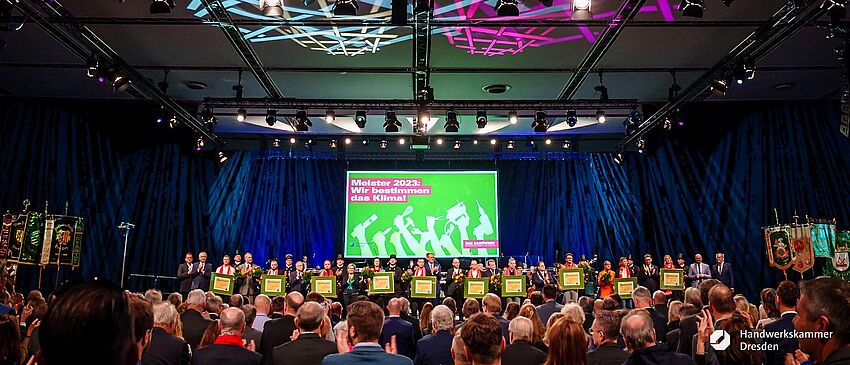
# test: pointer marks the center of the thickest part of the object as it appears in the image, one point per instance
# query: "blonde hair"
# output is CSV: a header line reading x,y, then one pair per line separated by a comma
x,y
528,311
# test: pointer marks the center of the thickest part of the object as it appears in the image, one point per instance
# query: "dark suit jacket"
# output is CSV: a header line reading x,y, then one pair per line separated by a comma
x,y
505,332
434,349
522,353
252,334
726,277
648,279
201,281
296,283
607,354
194,325
687,330
366,355
307,349
659,323
403,332
786,345
538,281
673,339
184,277
417,332
166,349
276,332
658,354
545,310
226,354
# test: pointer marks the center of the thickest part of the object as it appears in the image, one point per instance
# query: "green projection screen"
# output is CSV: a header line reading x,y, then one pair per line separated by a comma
x,y
410,213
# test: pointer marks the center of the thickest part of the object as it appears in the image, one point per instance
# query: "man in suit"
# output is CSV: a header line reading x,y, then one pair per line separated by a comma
x,y
721,308
688,325
201,273
723,271
398,272
247,285
250,332
395,326
433,268
482,343
787,295
643,300
229,347
645,350
545,310
659,302
308,348
165,348
296,279
277,332
698,271
263,304
520,351
184,274
405,315
364,321
194,323
648,274
492,305
435,349
605,330
454,289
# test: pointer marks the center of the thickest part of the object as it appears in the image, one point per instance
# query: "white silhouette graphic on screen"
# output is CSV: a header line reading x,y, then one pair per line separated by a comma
x,y
359,232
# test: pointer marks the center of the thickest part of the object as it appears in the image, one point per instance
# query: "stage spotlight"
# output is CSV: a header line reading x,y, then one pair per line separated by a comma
x,y
619,156
529,142
719,87
330,116
161,6
271,117
633,121
566,144
540,124
692,8
333,143
292,140
345,7
439,141
276,143
475,141
493,141
241,114
481,119
548,141
302,122
91,67
668,125
102,72
641,143
119,82
383,144
739,76
199,144
424,117
401,140
600,116
513,118
603,92
452,123
572,119
391,123
581,10
360,119
365,141
272,7
507,8
510,145
347,140
172,122
222,157
457,145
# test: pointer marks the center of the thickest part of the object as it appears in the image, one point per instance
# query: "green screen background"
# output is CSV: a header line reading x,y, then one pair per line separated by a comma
x,y
382,237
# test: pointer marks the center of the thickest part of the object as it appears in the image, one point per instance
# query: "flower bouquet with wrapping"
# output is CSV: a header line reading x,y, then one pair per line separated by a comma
x,y
607,278
257,272
367,273
586,269
407,276
496,280
307,275
459,278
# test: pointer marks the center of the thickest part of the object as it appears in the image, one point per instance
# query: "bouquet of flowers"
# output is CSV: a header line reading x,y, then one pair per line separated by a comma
x,y
307,275
459,278
496,280
407,276
606,277
257,272
367,273
586,269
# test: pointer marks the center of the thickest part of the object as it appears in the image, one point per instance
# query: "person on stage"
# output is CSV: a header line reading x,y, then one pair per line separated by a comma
x,y
569,296
723,271
327,270
512,270
201,273
398,275
296,279
605,280
541,277
376,265
474,270
225,268
668,265
378,299
237,259
184,274
273,269
454,289
625,271
287,265
350,285
247,285
648,275
432,265
340,266
698,271
490,272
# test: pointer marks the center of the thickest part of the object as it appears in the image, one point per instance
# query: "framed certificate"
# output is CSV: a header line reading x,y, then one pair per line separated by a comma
x,y
571,279
273,285
423,287
513,286
625,286
672,279
382,283
476,287
324,285
221,284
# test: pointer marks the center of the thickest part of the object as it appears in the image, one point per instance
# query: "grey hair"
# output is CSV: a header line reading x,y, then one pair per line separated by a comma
x,y
164,313
405,305
153,296
692,297
828,297
637,335
231,321
642,294
442,318
573,311
521,328
196,297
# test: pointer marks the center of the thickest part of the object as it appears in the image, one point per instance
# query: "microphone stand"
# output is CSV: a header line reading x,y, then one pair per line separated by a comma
x,y
125,228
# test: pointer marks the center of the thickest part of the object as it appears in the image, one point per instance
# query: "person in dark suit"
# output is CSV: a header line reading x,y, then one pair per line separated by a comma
x,y
435,349
521,351
645,350
642,299
398,279
454,289
364,321
194,323
688,325
165,348
395,326
201,273
349,285
405,315
605,330
542,277
492,305
787,294
308,348
482,343
648,274
184,274
229,347
723,271
279,331
296,279
250,332
823,308
545,310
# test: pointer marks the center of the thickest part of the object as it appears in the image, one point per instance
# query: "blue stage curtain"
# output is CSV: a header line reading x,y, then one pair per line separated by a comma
x,y
687,196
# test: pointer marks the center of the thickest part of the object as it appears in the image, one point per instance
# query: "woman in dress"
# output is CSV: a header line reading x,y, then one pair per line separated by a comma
x,y
605,280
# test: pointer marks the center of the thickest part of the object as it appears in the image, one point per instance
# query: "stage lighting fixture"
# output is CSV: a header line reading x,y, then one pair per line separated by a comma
x,y
360,119
452,123
513,117
510,145
423,117
199,144
641,143
272,7
739,76
383,144
271,117
333,143
619,156
345,7
475,141
119,82
102,72
719,87
633,121
172,122
391,123
401,140
330,116
566,144
347,140
439,141
581,10
507,8
457,145
546,3
673,90
572,119
292,140
241,114
221,157
668,125
548,141
540,124
836,9
529,142
727,2
161,6
692,8
365,141
481,119
302,122
600,116
276,143
91,67
601,89
493,141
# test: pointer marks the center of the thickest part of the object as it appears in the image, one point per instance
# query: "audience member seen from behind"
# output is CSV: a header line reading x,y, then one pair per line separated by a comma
x,y
229,347
567,342
166,347
364,321
482,337
639,335
435,349
520,350
309,348
604,331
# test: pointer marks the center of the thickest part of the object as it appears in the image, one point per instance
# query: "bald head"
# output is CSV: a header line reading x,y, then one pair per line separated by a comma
x,y
659,298
394,307
309,316
292,302
598,305
232,321
637,330
263,304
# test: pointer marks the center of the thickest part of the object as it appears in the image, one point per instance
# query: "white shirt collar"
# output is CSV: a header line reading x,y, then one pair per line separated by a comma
x,y
786,312
367,344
